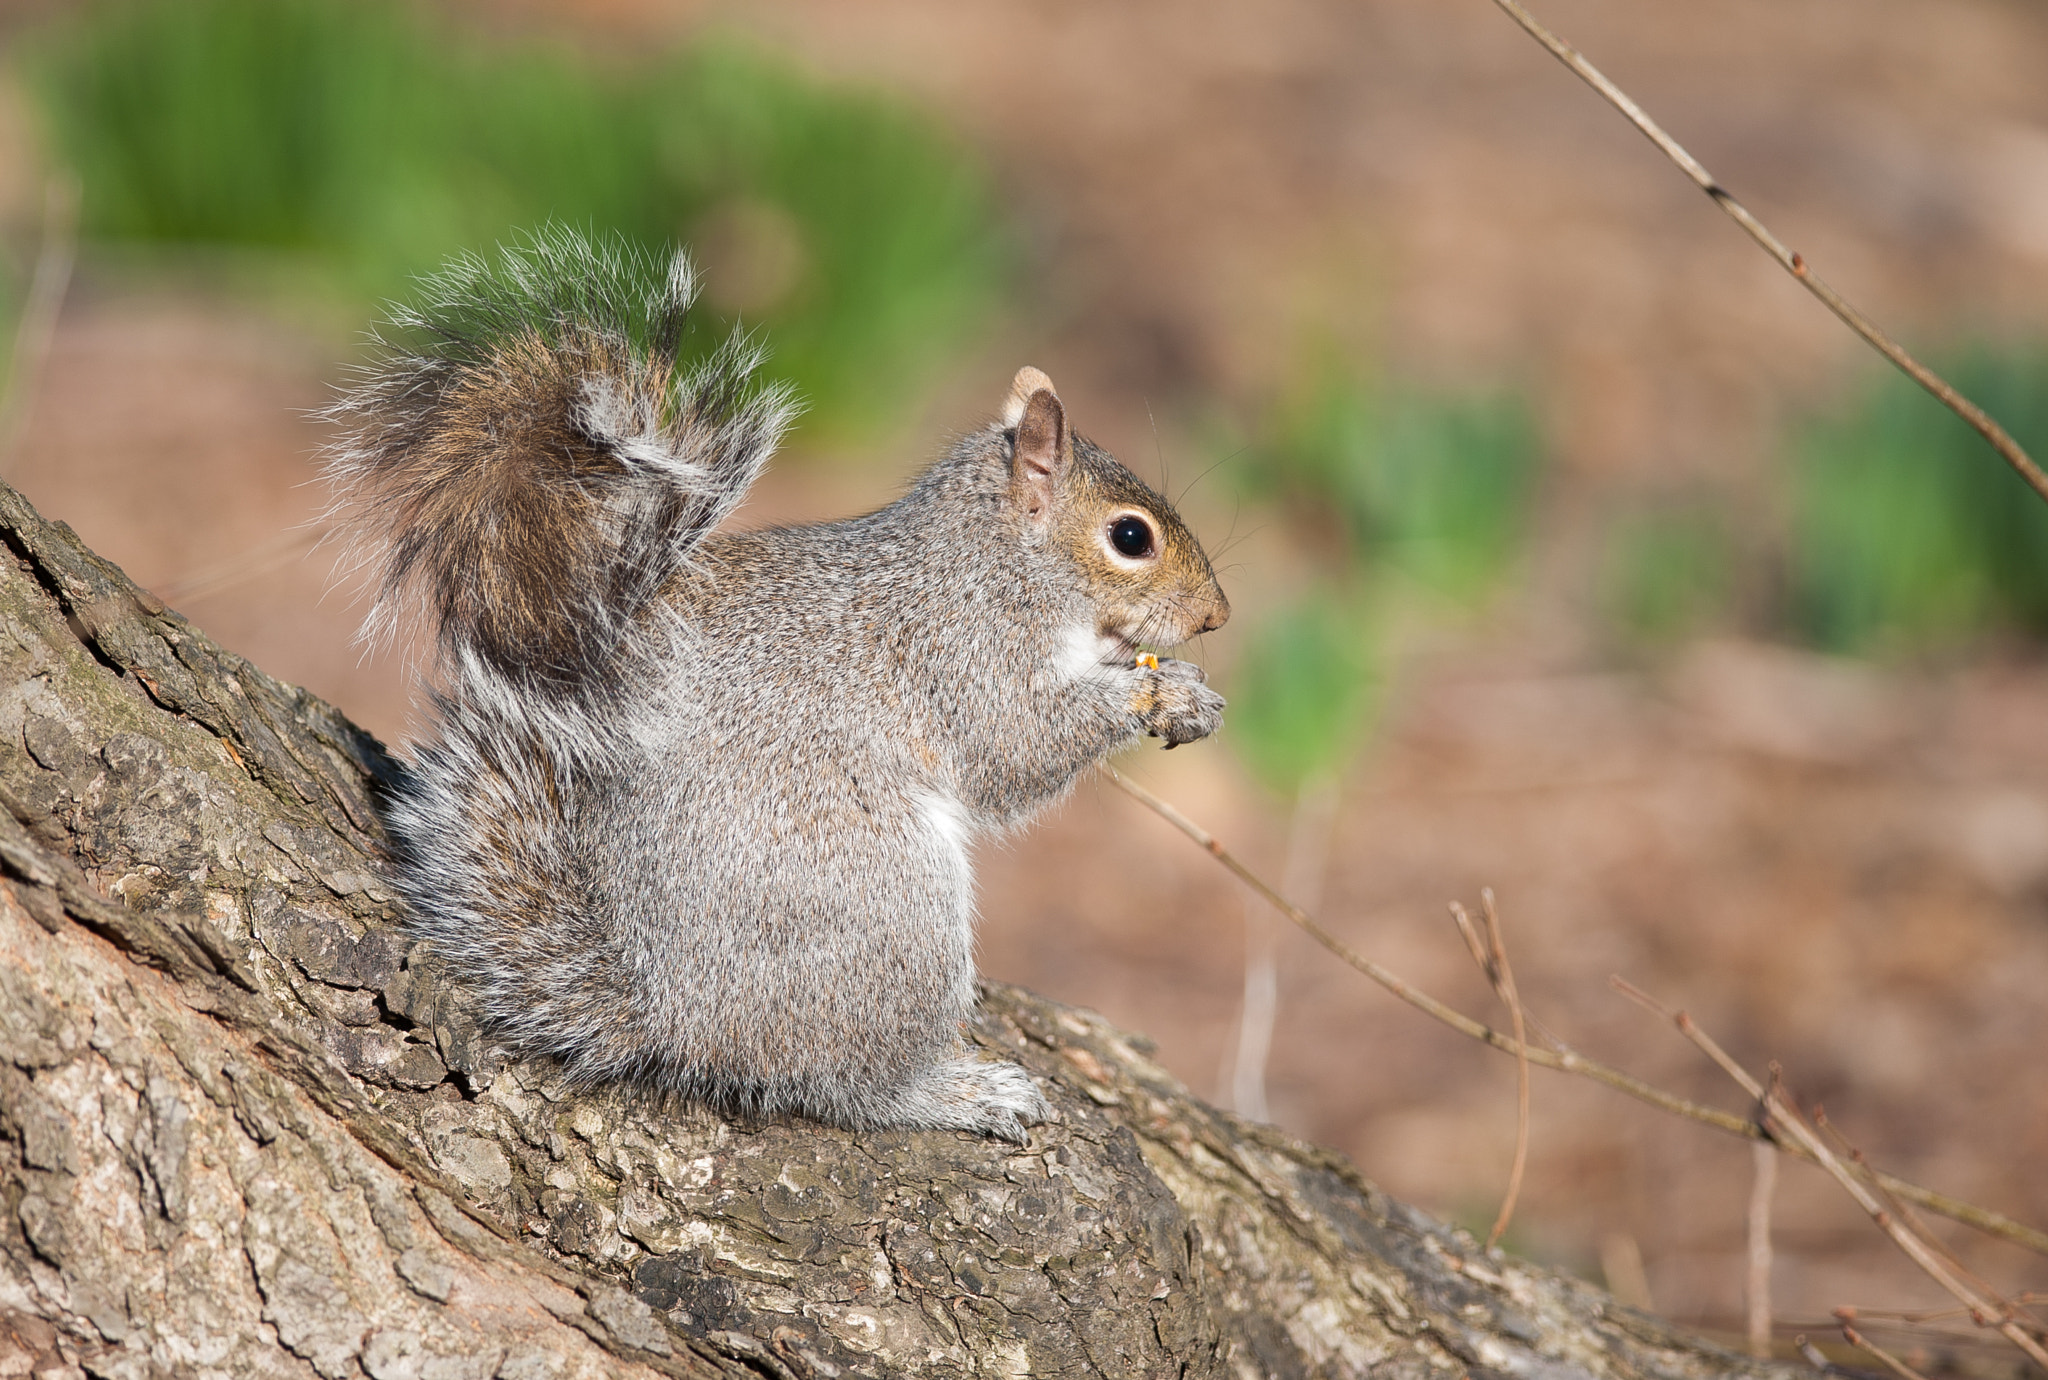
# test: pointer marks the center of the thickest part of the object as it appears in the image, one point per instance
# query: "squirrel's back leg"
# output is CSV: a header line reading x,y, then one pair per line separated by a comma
x,y
963,1093
820,971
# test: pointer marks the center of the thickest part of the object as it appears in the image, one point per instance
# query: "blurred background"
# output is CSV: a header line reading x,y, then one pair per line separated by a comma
x,y
1576,552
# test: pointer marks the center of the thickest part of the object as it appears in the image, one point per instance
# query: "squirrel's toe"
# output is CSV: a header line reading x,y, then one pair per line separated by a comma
x,y
1006,1126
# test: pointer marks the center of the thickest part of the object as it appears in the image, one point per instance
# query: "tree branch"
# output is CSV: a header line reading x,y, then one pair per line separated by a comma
x,y
242,1118
1562,1058
1945,393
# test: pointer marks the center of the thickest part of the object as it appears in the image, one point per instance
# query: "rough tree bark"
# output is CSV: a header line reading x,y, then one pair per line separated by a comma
x,y
246,1130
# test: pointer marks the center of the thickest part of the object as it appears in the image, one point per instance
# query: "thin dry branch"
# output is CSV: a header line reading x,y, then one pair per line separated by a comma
x,y
1787,1126
1563,1058
1757,1286
1976,417
1854,1159
1492,957
1889,1361
1927,1317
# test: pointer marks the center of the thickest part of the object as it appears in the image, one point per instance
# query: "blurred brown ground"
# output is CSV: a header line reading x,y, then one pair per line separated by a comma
x,y
1835,866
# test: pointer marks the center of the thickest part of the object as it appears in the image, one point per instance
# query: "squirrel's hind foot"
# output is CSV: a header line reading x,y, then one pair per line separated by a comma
x,y
963,1093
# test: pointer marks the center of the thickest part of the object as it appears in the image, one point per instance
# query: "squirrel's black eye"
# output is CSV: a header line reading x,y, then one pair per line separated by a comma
x,y
1132,536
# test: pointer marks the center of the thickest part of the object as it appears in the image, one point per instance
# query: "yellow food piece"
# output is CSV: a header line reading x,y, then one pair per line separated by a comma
x,y
1148,661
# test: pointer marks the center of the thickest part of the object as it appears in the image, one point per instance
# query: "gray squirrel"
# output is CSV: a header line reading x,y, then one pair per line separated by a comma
x,y
698,814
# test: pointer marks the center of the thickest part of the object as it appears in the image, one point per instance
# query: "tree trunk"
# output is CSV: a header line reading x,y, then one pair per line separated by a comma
x,y
246,1129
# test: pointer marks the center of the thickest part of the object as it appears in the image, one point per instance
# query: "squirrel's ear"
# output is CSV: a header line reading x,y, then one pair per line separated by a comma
x,y
1043,445
1027,382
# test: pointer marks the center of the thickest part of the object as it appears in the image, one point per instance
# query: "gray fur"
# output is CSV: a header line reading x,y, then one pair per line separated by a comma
x,y
723,849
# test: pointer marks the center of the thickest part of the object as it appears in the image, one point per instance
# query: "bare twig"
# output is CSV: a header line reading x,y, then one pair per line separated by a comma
x,y
1492,957
1621,1265
1922,1317
1473,944
1788,1126
1257,1013
1979,421
1813,1355
1563,1059
1853,1158
1763,1158
1863,1343
1308,851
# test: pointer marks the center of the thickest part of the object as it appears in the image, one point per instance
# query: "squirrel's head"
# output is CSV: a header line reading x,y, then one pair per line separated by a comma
x,y
1145,574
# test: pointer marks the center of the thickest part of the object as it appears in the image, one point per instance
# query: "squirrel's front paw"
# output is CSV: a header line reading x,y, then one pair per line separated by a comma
x,y
1174,704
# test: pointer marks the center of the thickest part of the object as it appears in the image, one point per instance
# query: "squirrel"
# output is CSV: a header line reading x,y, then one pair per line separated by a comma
x,y
698,811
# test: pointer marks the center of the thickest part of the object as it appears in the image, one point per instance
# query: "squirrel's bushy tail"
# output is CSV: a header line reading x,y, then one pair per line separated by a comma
x,y
529,461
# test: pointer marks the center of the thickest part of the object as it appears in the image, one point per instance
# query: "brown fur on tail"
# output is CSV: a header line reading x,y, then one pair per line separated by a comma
x,y
533,463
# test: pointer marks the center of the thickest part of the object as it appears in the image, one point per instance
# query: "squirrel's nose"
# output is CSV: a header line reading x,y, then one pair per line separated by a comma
x,y
1218,616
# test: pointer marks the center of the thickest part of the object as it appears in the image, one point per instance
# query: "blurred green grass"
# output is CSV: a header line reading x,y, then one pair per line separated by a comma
x,y
1907,534
1890,532
1669,571
1430,486
373,141
1406,503
1305,689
